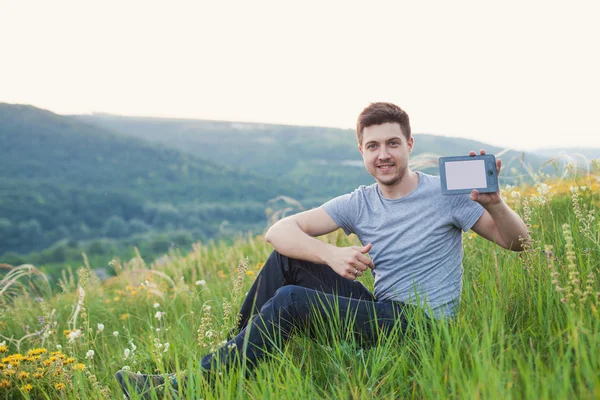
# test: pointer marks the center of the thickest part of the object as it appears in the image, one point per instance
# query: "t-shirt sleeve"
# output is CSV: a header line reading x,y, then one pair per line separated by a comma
x,y
343,211
466,212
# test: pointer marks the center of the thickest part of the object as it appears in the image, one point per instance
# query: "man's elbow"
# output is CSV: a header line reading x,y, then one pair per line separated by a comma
x,y
269,234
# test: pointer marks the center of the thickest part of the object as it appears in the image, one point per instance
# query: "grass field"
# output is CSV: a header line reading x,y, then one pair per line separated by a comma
x,y
528,325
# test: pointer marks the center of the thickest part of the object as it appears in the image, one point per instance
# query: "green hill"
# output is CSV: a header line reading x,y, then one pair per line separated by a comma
x,y
325,159
63,178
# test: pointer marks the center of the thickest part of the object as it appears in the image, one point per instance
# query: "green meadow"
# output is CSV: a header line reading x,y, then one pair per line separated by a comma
x,y
528,326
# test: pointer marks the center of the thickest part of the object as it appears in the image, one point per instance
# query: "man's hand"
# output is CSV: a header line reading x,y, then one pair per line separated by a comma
x,y
487,199
350,262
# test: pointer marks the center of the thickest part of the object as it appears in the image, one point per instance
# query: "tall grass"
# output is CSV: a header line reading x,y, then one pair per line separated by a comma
x,y
528,325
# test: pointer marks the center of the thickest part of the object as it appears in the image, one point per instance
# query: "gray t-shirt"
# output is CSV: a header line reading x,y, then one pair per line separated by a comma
x,y
417,242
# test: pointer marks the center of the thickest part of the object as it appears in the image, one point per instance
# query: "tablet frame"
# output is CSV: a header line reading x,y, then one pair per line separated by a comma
x,y
491,179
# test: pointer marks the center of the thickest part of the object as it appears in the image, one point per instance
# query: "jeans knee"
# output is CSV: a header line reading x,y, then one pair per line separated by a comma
x,y
282,298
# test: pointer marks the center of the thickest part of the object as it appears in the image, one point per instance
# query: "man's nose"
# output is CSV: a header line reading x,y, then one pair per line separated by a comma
x,y
383,153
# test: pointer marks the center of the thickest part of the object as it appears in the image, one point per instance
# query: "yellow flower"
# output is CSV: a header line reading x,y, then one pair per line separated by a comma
x,y
70,360
4,384
47,363
23,375
59,386
79,366
124,317
26,388
116,298
250,273
3,348
35,352
38,375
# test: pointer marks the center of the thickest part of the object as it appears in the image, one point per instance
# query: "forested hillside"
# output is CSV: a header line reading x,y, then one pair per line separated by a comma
x,y
65,179
325,159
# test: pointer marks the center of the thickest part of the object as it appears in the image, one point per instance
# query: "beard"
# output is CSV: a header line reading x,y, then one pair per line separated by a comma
x,y
391,180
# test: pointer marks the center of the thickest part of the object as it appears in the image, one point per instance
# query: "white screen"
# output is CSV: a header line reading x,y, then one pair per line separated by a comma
x,y
465,174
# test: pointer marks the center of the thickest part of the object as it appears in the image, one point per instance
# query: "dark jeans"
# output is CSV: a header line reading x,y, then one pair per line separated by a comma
x,y
291,294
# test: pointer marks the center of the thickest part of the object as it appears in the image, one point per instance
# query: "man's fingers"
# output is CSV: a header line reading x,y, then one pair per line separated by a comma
x,y
498,165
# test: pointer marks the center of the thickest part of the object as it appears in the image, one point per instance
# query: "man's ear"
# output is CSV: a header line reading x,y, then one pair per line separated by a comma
x,y
411,143
360,149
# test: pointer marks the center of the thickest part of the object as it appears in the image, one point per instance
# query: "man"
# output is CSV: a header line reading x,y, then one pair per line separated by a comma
x,y
410,230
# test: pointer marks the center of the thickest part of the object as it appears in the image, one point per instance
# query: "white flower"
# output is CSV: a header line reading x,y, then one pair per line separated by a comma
x,y
126,368
100,327
574,189
166,347
127,353
156,305
58,346
515,194
132,345
74,335
157,329
201,282
159,315
208,333
89,354
116,333
583,188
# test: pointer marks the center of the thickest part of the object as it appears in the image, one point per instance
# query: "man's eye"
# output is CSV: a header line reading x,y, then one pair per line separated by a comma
x,y
394,143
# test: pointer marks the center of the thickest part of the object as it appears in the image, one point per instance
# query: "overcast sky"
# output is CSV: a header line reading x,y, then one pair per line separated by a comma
x,y
517,74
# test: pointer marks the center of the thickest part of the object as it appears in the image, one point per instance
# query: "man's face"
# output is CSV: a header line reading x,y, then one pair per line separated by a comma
x,y
385,152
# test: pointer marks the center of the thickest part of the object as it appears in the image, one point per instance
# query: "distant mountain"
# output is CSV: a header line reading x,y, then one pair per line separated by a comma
x,y
570,153
64,178
324,159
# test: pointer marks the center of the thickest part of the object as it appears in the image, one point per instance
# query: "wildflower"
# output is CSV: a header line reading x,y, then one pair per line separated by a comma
x,y
116,333
126,368
79,367
574,189
59,347
515,194
156,305
89,354
70,360
23,375
209,333
59,386
26,388
3,347
250,273
100,327
74,335
124,317
127,353
159,315
166,345
201,282
4,384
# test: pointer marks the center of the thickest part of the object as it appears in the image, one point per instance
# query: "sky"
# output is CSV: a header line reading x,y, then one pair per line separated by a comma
x,y
516,74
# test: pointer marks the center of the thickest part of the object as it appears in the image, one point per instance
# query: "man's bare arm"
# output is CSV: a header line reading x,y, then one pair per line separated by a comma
x,y
294,237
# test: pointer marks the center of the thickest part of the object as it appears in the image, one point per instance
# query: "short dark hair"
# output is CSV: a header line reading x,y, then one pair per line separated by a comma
x,y
380,113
